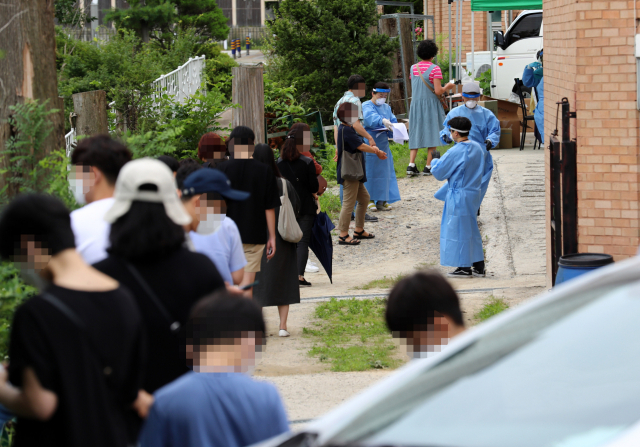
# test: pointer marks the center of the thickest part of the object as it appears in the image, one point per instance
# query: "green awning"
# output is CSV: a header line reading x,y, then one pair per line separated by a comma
x,y
504,5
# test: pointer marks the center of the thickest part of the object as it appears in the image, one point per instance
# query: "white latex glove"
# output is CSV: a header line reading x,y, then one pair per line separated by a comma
x,y
386,123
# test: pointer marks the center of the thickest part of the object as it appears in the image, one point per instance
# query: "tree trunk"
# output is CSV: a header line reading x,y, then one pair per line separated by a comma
x,y
407,49
248,92
28,70
396,95
91,108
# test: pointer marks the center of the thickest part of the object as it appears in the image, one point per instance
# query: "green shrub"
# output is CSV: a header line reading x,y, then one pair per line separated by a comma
x,y
13,291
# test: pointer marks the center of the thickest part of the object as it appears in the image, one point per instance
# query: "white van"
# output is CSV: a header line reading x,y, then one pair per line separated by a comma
x,y
515,49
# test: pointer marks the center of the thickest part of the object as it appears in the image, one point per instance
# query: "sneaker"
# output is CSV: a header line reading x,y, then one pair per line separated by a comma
x,y
304,283
412,170
460,273
372,206
283,333
385,207
426,171
368,218
477,273
311,268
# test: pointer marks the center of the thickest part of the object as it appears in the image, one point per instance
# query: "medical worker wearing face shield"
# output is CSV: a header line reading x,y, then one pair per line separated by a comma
x,y
381,175
533,77
485,128
462,166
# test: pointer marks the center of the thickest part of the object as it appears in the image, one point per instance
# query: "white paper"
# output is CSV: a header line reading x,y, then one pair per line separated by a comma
x,y
400,134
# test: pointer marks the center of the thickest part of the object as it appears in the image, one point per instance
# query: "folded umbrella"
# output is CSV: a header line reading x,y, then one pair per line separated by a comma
x,y
321,243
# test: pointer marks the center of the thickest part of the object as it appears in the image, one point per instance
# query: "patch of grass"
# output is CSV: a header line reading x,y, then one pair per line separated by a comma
x,y
330,204
384,283
352,335
492,307
401,157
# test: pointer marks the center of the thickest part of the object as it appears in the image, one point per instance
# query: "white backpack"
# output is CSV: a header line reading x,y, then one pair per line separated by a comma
x,y
287,224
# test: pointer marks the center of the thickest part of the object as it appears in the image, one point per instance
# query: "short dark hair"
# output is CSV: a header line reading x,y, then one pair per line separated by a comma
x,y
41,216
184,172
461,123
104,153
244,134
381,85
264,154
188,161
427,49
354,80
144,233
170,161
345,107
415,300
221,315
289,150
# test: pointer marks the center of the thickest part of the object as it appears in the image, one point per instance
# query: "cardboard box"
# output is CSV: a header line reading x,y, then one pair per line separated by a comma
x,y
491,105
510,117
506,139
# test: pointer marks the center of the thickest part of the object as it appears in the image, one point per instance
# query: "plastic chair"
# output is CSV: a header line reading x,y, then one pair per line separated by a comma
x,y
525,118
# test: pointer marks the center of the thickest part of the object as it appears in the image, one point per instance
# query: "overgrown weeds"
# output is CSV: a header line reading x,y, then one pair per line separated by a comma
x,y
383,283
492,307
352,335
330,204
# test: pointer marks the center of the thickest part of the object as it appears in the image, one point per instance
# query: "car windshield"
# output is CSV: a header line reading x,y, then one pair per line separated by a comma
x,y
562,375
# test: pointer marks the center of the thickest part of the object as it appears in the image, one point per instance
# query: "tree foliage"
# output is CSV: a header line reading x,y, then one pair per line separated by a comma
x,y
68,12
320,43
161,19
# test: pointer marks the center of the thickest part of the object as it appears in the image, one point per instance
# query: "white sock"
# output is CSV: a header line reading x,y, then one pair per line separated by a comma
x,y
428,166
413,165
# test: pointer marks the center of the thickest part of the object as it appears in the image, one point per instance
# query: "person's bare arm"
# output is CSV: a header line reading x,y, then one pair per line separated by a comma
x,y
237,276
32,401
335,138
373,150
439,88
271,224
143,403
357,126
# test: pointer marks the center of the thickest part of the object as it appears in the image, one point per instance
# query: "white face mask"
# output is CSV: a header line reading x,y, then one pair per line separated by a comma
x,y
211,224
75,185
471,104
380,101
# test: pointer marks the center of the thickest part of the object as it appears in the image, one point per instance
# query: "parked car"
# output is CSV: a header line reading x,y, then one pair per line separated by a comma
x,y
562,369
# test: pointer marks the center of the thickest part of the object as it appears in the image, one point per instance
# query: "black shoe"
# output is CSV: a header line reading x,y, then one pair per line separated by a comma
x,y
426,171
461,272
304,283
478,273
412,170
353,217
368,218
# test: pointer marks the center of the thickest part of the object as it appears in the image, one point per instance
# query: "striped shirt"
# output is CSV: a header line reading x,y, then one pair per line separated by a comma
x,y
347,97
436,73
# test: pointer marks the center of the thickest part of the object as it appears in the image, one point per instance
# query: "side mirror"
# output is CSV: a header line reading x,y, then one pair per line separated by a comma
x,y
498,39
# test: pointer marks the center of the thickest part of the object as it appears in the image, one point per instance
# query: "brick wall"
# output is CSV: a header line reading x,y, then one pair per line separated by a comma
x,y
589,59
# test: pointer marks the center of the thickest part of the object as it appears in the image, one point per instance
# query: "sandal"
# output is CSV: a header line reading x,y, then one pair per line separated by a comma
x,y
360,235
343,241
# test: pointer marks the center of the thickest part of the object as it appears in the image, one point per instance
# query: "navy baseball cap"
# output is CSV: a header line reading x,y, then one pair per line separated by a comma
x,y
211,180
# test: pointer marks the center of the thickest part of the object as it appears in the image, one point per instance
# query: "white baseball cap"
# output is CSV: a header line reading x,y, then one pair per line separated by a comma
x,y
141,172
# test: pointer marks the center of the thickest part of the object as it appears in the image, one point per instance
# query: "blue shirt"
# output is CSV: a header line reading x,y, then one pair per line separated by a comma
x,y
224,248
214,410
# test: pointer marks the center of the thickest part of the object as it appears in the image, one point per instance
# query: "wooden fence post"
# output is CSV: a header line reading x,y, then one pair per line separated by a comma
x,y
248,92
91,108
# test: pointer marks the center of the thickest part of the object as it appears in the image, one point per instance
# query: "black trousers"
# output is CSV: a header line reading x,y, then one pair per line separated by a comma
x,y
306,224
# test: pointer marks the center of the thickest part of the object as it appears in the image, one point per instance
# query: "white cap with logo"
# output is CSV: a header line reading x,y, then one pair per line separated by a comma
x,y
146,171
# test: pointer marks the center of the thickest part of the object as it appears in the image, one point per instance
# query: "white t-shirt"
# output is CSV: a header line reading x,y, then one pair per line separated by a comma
x,y
91,230
224,248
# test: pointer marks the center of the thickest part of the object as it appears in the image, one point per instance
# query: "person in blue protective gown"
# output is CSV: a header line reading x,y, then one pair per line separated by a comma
x,y
381,175
462,166
533,77
485,128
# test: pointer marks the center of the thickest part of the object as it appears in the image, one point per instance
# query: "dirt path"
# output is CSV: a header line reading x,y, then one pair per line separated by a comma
x,y
407,238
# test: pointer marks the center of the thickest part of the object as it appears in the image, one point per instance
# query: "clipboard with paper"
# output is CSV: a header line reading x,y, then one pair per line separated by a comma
x,y
400,134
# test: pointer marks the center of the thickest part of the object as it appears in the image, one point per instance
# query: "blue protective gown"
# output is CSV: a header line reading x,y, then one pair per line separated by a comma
x,y
484,126
534,78
460,241
381,175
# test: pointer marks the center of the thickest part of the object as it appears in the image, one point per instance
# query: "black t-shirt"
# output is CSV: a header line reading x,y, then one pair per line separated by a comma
x,y
178,281
302,175
257,179
91,406
351,142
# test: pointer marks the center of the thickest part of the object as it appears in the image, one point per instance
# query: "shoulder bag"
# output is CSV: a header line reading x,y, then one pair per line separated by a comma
x,y
351,168
443,101
287,225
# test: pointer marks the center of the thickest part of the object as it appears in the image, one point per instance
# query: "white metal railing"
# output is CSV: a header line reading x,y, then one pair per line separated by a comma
x,y
69,139
182,82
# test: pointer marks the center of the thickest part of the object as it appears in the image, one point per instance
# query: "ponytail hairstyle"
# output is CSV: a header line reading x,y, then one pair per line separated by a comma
x,y
294,138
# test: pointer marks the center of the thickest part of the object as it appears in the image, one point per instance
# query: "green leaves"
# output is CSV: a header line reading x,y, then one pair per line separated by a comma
x,y
12,293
